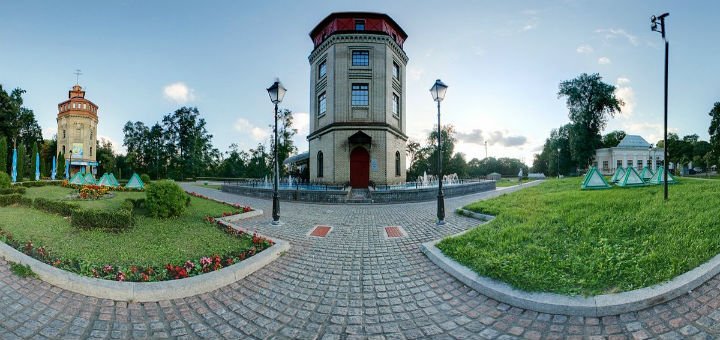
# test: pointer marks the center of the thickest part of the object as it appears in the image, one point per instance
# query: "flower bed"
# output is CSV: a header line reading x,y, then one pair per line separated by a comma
x,y
140,273
67,184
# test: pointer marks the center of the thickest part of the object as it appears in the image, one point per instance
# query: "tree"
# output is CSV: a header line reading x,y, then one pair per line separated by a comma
x,y
286,132
3,154
17,123
548,160
33,160
105,156
20,162
612,139
60,166
714,129
589,102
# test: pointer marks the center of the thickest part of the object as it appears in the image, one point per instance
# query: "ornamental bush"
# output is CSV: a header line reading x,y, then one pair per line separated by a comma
x,y
107,220
165,199
12,190
145,178
10,199
4,179
55,207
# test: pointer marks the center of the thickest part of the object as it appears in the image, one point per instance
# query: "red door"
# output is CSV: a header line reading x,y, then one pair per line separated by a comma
x,y
359,168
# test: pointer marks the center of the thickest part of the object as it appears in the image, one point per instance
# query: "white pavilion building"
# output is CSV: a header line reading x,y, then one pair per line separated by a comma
x,y
633,151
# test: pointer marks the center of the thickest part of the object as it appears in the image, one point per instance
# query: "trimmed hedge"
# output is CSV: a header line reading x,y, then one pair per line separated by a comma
x,y
12,190
39,183
11,199
4,179
107,220
55,207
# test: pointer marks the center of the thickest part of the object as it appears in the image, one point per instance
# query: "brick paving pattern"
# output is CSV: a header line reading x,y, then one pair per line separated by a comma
x,y
352,284
320,231
393,231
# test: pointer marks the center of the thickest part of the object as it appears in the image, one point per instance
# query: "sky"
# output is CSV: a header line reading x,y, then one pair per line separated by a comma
x,y
502,60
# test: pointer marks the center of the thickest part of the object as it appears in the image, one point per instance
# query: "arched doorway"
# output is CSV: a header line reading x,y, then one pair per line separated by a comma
x,y
359,168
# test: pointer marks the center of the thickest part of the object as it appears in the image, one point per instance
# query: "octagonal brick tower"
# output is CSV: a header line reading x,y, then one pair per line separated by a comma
x,y
357,100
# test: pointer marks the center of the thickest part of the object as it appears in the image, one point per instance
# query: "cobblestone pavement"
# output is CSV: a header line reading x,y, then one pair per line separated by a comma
x,y
352,284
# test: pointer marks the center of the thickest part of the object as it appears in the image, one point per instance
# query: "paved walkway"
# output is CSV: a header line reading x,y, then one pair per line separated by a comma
x,y
353,284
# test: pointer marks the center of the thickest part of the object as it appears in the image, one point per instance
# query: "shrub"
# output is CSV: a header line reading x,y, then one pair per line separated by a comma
x,y
165,199
4,179
108,220
135,203
12,190
40,183
10,199
55,207
145,178
22,270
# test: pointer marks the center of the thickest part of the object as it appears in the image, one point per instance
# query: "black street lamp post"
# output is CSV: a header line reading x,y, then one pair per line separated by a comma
x,y
661,29
438,94
558,162
276,92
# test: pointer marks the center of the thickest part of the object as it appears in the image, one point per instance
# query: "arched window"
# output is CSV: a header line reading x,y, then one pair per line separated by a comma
x,y
397,163
63,150
319,164
91,151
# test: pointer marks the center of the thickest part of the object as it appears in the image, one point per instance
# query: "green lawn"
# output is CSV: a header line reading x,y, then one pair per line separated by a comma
x,y
150,242
556,238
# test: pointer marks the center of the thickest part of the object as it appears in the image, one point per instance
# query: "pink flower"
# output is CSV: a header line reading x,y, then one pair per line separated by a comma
x,y
120,276
189,265
107,268
205,261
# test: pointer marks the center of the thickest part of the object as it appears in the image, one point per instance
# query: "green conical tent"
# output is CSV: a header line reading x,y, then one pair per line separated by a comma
x,y
658,177
646,174
77,179
135,182
89,179
619,173
594,180
631,178
113,180
105,181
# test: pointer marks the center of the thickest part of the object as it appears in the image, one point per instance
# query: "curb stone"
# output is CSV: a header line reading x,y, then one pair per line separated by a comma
x,y
153,291
596,306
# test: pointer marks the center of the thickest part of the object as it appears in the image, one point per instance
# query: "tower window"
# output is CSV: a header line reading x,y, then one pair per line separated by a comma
x,y
64,134
397,163
359,25
360,94
396,104
322,104
322,69
63,150
91,151
320,164
396,71
360,58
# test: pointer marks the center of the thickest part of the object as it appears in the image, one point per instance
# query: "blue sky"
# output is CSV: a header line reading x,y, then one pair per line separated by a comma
x,y
503,61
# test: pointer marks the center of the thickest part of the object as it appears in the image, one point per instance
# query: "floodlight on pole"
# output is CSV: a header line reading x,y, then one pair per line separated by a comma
x,y
654,27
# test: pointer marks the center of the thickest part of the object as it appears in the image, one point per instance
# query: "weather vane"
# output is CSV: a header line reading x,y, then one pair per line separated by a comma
x,y
77,76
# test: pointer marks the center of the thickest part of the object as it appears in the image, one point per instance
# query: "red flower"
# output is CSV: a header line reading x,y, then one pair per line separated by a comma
x,y
120,276
107,268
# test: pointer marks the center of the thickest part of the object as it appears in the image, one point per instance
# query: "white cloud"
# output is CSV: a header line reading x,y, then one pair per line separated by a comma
x,y
415,73
301,121
584,48
477,136
117,148
258,134
612,33
604,61
48,133
179,93
626,93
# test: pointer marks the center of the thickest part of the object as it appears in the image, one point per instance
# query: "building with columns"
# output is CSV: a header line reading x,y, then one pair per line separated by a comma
x,y
77,121
632,151
357,100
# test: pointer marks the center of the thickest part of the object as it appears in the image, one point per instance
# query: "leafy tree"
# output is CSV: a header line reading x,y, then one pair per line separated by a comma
x,y
714,129
235,164
105,156
258,165
549,159
612,139
3,154
286,132
17,123
589,101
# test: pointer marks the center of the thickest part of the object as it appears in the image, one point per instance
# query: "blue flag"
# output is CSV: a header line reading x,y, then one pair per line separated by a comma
x,y
37,166
67,167
54,169
14,166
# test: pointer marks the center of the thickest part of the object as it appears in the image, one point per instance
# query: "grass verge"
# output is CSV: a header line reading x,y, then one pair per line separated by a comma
x,y
556,238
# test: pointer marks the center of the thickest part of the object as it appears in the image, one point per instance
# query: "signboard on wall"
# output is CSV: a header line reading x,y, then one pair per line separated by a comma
x,y
373,165
77,149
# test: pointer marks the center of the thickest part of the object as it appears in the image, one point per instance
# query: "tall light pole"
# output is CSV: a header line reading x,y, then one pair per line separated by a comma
x,y
654,27
485,149
558,163
438,94
276,92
